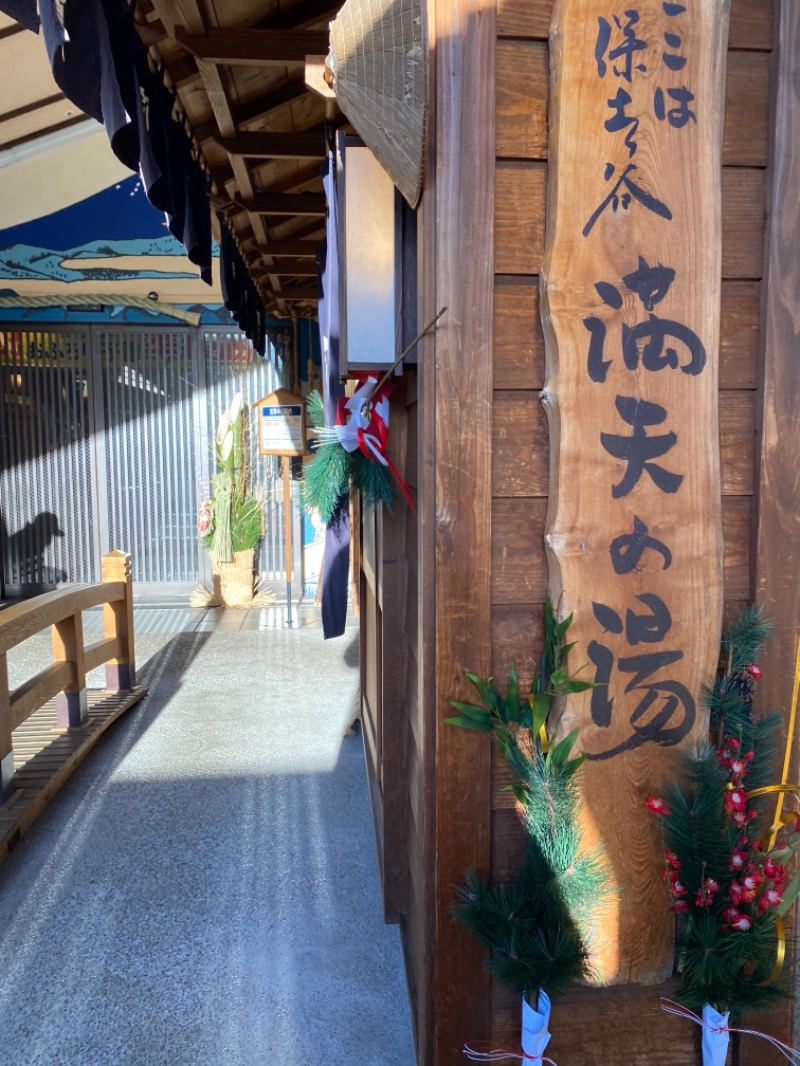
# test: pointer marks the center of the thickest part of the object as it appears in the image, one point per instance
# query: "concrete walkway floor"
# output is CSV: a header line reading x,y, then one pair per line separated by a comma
x,y
205,890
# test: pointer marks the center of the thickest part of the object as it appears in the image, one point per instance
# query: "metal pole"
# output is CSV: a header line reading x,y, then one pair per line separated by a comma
x,y
287,534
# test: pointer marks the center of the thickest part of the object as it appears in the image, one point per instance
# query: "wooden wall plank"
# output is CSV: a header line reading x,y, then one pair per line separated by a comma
x,y
519,222
524,18
752,24
743,212
518,337
519,217
745,141
519,341
522,88
740,323
737,428
736,519
520,445
463,226
777,527
519,567
516,638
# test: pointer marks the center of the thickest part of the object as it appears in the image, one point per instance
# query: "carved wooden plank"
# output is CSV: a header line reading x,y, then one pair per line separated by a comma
x,y
633,239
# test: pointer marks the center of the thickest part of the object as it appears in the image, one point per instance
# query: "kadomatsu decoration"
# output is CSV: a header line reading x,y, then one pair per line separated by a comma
x,y
725,862
352,454
538,930
229,522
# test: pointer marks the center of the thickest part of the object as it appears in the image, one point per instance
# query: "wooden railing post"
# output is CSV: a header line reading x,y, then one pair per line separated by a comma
x,y
72,707
6,752
118,622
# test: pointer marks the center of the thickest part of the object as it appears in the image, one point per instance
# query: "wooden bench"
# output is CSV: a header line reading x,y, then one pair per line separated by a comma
x,y
49,723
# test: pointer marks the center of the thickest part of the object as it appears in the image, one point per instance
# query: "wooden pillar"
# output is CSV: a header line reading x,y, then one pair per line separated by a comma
x,y
777,525
460,224
6,752
118,622
72,708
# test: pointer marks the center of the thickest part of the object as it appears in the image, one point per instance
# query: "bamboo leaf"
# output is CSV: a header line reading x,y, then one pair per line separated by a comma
x,y
470,723
789,896
558,755
540,708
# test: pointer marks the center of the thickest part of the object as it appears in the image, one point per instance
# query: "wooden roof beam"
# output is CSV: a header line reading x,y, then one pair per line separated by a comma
x,y
288,248
308,144
305,295
254,47
284,203
294,268
259,108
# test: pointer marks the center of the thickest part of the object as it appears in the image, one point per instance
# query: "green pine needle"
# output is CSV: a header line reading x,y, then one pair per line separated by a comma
x,y
372,479
325,479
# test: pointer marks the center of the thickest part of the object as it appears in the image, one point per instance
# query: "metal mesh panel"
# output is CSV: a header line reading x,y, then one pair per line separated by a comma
x,y
232,365
151,457
45,461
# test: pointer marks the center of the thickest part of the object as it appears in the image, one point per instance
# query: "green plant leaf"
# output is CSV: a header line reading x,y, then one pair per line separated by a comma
x,y
470,723
487,692
558,678
573,685
540,708
789,896
471,710
512,694
558,755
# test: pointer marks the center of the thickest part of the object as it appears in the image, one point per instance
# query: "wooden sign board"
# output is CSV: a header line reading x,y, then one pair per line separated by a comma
x,y
281,423
630,306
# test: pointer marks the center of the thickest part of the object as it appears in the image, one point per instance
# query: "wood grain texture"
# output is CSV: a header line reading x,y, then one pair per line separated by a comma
x,y
598,489
751,25
737,442
739,334
518,338
777,527
520,445
745,140
743,213
519,565
522,90
524,18
462,179
519,237
520,190
517,632
736,520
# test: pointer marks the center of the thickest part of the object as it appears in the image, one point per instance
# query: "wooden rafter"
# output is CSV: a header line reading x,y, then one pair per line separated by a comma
x,y
307,145
254,47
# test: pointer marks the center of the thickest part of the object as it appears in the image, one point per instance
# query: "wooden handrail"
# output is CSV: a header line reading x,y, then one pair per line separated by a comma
x,y
65,678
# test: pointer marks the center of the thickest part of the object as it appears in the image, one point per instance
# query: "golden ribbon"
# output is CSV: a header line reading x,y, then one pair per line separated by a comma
x,y
780,820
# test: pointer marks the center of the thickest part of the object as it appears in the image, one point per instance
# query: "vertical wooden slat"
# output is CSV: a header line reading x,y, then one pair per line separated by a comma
x,y
72,708
777,527
462,174
118,622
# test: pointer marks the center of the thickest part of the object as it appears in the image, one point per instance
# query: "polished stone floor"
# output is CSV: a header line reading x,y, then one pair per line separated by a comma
x,y
205,890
